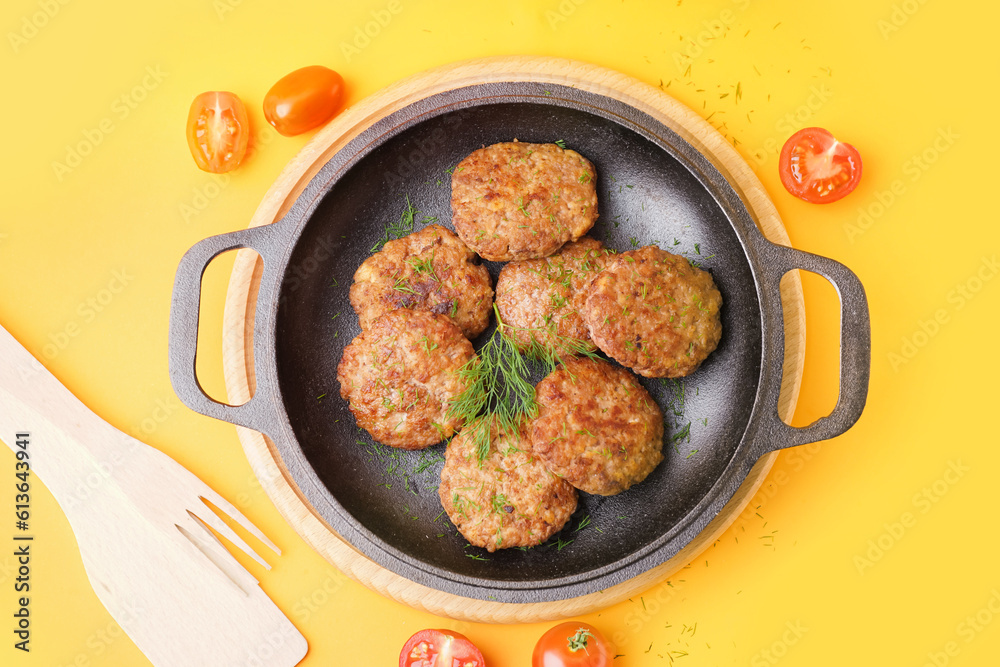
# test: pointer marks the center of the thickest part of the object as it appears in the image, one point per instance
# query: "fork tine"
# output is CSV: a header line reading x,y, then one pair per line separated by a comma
x,y
211,548
210,520
228,508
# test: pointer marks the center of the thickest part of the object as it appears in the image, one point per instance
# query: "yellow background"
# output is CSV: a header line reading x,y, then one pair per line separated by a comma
x,y
890,77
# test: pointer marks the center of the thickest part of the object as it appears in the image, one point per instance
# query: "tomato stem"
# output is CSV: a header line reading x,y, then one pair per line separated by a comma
x,y
579,640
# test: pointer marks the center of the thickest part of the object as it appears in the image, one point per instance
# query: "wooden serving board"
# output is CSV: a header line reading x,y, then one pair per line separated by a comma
x,y
242,297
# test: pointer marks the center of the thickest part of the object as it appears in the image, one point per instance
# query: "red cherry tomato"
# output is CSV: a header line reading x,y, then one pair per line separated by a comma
x,y
304,99
217,131
572,644
440,648
817,168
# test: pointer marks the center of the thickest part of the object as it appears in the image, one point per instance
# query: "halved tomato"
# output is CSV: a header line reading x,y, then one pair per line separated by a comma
x,y
814,166
440,648
304,99
218,131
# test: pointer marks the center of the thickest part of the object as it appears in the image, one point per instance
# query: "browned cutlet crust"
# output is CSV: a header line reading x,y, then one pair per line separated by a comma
x,y
399,375
542,299
597,427
428,270
516,200
654,312
510,499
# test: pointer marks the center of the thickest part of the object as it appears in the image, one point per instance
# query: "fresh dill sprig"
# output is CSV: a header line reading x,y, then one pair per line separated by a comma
x,y
551,355
499,393
497,390
560,143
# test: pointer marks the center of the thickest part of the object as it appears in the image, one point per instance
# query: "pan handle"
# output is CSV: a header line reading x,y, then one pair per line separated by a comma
x,y
855,350
183,335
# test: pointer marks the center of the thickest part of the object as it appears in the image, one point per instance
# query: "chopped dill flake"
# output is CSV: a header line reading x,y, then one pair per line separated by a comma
x,y
684,433
424,266
402,286
400,228
520,206
560,143
428,346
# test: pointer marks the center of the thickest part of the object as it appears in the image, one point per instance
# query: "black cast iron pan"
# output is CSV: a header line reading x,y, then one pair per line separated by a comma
x,y
653,186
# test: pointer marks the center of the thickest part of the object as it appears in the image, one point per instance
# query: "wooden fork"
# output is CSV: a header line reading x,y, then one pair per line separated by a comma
x,y
142,525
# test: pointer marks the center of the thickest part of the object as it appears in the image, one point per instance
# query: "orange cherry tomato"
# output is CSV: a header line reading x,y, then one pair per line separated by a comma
x,y
817,168
217,131
304,99
572,644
